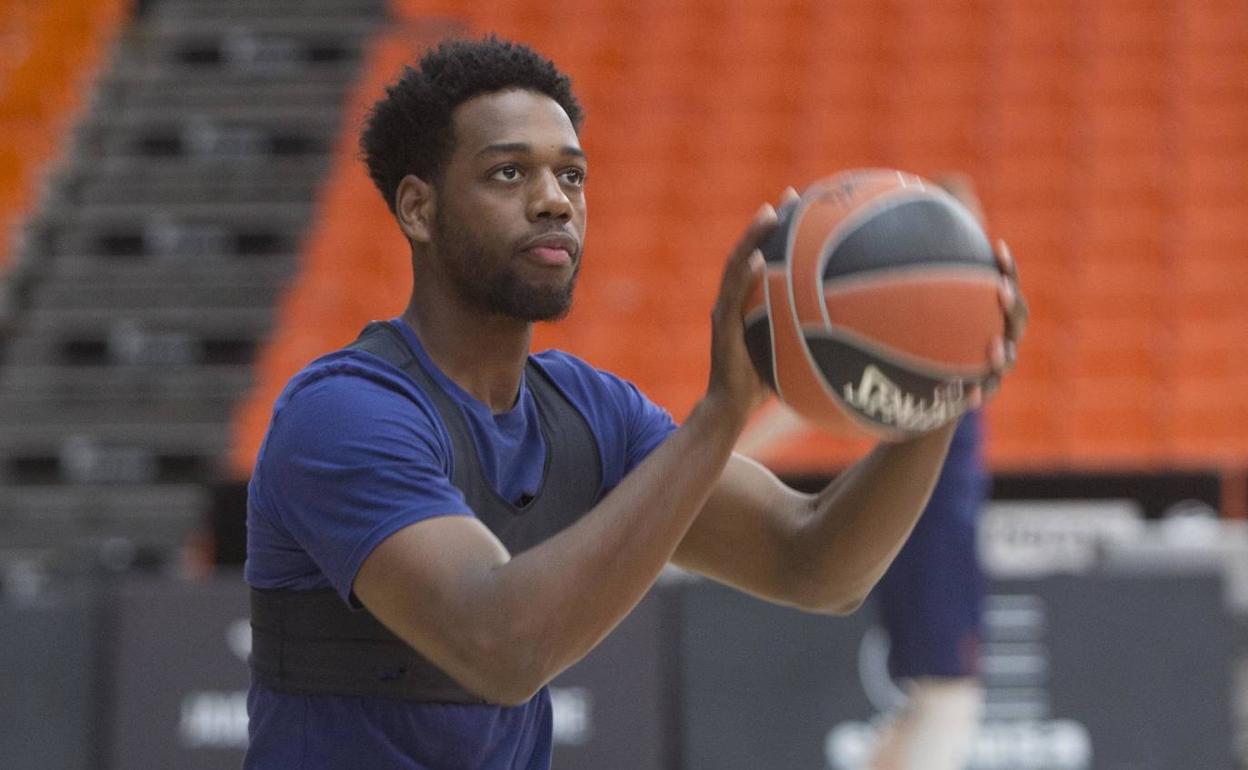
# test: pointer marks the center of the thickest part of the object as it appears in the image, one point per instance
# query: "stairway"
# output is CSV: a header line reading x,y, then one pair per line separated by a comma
x,y
146,279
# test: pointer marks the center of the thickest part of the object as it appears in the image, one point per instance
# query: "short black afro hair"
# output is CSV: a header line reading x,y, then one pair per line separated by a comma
x,y
410,132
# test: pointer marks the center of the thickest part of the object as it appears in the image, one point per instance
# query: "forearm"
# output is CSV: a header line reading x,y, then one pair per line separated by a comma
x,y
854,528
558,599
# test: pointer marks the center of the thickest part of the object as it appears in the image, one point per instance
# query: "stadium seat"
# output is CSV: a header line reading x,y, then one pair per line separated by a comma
x,y
1089,129
1220,25
1209,419
1026,425
1115,422
51,51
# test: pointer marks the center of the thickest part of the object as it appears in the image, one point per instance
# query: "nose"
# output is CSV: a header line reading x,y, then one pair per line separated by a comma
x,y
548,199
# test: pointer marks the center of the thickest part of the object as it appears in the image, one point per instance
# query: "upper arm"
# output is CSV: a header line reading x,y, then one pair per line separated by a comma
x,y
743,535
347,463
427,583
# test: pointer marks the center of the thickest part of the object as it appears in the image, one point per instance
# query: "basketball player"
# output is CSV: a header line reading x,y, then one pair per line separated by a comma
x,y
930,598
440,522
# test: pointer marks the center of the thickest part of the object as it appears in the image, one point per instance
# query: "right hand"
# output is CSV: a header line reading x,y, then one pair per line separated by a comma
x,y
734,384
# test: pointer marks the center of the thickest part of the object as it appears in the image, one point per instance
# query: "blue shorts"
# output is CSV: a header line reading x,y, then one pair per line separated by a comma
x,y
930,599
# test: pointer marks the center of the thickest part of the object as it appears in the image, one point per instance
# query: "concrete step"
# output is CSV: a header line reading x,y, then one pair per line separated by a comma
x,y
151,336
125,214
270,46
226,268
191,136
56,516
214,96
198,188
111,408
142,117
129,344
181,86
130,170
120,382
202,321
121,297
155,179
120,452
245,10
185,229
267,21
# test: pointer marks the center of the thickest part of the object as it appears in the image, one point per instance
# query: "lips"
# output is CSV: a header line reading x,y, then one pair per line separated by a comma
x,y
553,249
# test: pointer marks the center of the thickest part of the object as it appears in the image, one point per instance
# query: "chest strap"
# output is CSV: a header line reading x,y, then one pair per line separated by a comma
x,y
311,643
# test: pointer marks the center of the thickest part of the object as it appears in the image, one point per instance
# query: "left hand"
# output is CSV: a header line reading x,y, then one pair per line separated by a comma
x,y
1005,349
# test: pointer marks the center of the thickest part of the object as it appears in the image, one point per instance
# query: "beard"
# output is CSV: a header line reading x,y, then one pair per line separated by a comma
x,y
495,286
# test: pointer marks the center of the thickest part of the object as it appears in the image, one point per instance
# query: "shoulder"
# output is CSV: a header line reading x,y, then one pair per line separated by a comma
x,y
628,423
579,379
349,376
351,394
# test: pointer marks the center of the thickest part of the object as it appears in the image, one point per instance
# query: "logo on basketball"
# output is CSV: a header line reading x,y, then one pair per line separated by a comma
x,y
879,398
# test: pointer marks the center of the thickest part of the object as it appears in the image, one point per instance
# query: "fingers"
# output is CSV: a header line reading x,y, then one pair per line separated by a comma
x,y
1003,351
997,354
1002,356
790,195
1005,260
762,223
739,279
737,270
975,397
1012,301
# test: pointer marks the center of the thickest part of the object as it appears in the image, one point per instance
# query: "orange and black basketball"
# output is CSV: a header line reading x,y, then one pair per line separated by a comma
x,y
878,307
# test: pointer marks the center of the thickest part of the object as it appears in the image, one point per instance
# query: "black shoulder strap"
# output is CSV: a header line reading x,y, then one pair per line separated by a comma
x,y
386,342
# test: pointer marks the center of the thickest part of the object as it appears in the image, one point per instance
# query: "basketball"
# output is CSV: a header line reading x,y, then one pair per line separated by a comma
x,y
878,305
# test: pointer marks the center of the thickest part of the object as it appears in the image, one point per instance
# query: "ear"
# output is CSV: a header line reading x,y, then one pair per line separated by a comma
x,y
413,206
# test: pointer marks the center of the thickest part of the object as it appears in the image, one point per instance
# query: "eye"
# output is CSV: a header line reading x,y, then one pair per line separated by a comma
x,y
507,173
575,177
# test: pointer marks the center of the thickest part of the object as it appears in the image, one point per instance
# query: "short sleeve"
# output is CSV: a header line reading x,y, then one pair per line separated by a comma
x,y
349,461
646,424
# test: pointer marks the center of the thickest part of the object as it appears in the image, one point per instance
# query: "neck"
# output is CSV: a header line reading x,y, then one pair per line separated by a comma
x,y
483,354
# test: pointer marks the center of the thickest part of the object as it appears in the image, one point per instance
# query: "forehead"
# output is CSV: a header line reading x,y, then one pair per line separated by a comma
x,y
511,116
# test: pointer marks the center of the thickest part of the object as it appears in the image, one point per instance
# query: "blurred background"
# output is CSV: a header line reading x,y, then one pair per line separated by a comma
x,y
186,224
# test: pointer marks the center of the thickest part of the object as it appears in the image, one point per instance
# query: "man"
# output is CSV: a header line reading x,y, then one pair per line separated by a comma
x,y
488,515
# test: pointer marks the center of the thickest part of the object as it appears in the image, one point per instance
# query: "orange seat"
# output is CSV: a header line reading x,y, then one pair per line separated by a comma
x,y
1212,176
1217,121
1215,26
1115,421
1209,417
1209,349
1034,127
1026,424
1132,76
1205,74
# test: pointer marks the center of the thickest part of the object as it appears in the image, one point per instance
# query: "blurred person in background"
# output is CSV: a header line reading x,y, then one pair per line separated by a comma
x,y
439,522
930,599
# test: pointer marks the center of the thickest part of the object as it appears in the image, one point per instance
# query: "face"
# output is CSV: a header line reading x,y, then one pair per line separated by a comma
x,y
509,213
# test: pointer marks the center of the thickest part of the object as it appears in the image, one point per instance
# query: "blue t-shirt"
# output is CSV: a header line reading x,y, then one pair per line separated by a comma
x,y
355,452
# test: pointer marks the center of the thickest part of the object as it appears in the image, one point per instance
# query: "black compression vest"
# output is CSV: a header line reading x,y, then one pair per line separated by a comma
x,y
311,643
